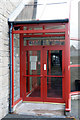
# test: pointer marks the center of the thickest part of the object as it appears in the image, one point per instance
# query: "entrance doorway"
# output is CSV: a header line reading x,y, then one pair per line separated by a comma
x,y
44,73
41,65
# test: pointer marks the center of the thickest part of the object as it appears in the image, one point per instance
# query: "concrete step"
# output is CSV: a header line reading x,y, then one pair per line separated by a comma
x,y
29,117
41,109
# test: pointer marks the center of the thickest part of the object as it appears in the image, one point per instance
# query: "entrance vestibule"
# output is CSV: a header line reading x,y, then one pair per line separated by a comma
x,y
44,61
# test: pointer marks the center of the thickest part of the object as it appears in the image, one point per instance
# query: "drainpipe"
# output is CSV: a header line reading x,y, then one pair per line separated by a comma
x,y
10,105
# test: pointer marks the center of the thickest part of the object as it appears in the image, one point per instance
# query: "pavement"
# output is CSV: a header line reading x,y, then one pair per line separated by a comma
x,y
75,108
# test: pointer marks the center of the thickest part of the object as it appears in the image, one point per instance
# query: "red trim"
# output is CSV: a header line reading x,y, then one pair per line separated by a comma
x,y
74,39
16,102
12,68
54,76
66,63
63,75
50,47
72,93
42,76
54,100
49,53
58,100
74,65
67,70
39,31
75,93
33,75
21,64
49,35
30,91
68,100
69,104
28,60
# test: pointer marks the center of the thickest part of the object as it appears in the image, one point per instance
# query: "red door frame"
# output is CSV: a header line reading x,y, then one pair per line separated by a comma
x,y
67,69
43,75
67,98
31,48
47,99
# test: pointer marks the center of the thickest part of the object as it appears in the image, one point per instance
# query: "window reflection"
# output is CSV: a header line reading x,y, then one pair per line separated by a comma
x,y
74,52
16,67
54,62
75,78
54,87
59,40
33,86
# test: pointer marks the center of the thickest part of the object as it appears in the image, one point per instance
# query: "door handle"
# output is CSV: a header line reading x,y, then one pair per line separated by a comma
x,y
45,75
44,66
41,75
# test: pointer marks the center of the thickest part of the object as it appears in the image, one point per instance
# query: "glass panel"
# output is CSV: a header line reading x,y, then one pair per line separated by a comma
x,y
74,52
38,27
33,86
75,78
33,62
16,67
57,33
55,27
54,87
47,26
61,10
25,28
54,62
46,41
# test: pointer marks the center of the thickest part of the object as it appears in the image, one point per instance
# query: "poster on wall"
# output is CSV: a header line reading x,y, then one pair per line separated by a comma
x,y
33,60
33,65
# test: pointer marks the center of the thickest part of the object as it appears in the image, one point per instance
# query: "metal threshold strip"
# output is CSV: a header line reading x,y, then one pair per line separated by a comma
x,y
42,102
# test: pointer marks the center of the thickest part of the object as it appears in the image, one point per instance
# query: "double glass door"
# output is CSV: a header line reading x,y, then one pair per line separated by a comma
x,y
44,74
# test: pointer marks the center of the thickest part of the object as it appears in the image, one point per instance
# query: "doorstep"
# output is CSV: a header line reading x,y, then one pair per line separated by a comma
x,y
41,109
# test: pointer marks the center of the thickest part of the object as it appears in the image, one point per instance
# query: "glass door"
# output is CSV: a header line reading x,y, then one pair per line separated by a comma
x,y
54,74
33,74
44,74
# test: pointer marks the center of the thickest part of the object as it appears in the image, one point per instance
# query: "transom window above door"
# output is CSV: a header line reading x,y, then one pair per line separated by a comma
x,y
44,41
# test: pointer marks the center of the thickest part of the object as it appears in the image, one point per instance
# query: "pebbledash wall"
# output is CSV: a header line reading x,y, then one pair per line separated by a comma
x,y
6,8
